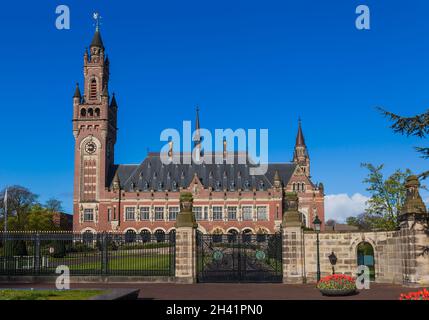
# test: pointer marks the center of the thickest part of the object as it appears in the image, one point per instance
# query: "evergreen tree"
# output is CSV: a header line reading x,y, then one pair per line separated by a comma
x,y
417,125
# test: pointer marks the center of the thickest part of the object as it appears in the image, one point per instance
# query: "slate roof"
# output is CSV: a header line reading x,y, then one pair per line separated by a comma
x,y
153,174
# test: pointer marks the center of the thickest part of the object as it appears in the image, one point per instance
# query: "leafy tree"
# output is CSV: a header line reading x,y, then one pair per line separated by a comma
x,y
40,219
54,205
417,125
361,221
387,198
19,200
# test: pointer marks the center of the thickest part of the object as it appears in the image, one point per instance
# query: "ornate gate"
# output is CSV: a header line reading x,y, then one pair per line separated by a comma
x,y
239,258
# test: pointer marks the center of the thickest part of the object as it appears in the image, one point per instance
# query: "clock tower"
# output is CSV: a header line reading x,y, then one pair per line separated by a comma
x,y
94,130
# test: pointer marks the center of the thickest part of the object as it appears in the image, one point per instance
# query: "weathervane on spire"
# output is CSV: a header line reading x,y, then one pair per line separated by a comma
x,y
97,17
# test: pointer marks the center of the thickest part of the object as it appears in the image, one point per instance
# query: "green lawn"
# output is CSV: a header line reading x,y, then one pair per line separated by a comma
x,y
161,262
48,294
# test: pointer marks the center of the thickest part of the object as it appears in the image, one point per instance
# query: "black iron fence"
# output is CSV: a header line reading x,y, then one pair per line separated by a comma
x,y
40,253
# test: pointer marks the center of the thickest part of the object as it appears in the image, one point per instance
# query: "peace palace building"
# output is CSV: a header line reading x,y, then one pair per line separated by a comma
x,y
144,198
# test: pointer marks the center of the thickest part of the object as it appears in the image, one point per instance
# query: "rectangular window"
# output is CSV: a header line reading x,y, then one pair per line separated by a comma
x,y
109,214
247,213
114,213
261,213
232,213
198,212
88,215
217,213
206,213
159,213
130,213
144,213
172,213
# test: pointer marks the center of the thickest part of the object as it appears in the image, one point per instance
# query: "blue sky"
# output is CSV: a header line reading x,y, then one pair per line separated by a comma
x,y
247,64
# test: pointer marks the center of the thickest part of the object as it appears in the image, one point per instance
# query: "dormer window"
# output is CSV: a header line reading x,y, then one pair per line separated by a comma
x,y
218,185
246,185
232,186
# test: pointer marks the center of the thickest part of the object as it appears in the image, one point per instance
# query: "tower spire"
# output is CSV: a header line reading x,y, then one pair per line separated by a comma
x,y
96,40
300,155
300,136
197,137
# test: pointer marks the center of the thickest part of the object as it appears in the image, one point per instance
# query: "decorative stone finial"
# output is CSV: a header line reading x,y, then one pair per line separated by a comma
x,y
414,207
292,217
277,180
186,217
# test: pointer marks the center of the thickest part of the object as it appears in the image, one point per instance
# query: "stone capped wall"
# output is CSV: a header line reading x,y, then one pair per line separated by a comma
x,y
398,255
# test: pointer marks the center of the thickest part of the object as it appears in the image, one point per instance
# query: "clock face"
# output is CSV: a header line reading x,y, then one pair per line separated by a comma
x,y
90,147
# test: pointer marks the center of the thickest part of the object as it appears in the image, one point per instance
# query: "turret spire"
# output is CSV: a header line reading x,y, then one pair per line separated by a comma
x,y
197,137
113,101
77,92
300,155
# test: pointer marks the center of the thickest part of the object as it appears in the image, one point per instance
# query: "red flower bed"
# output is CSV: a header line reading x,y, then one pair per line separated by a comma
x,y
417,295
337,282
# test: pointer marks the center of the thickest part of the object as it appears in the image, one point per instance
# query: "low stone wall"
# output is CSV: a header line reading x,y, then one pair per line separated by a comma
x,y
398,255
87,279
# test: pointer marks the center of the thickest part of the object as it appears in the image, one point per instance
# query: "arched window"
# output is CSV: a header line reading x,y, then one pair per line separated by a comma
x,y
90,112
217,235
261,235
232,235
83,112
160,235
130,236
246,235
93,89
97,112
145,235
302,187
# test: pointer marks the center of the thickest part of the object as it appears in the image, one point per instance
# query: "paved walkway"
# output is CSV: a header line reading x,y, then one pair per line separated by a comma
x,y
212,291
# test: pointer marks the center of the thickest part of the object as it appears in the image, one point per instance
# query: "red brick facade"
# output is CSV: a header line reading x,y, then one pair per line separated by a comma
x,y
114,197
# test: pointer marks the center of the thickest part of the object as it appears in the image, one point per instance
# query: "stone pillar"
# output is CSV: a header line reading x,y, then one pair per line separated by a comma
x,y
413,222
292,242
186,226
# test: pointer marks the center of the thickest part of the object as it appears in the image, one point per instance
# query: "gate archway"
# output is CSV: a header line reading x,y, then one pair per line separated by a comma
x,y
366,257
234,258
